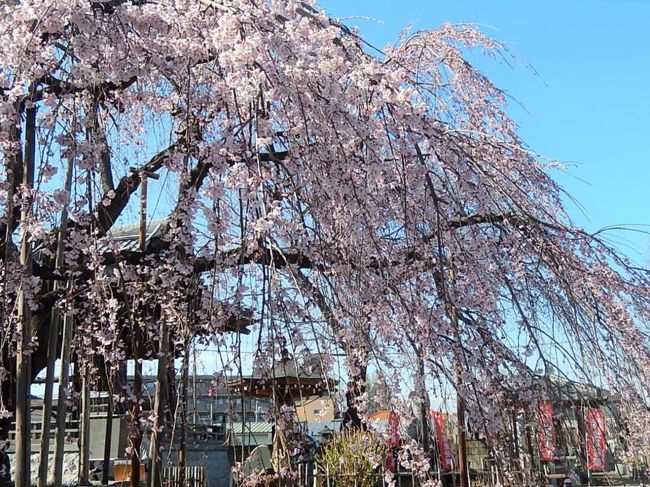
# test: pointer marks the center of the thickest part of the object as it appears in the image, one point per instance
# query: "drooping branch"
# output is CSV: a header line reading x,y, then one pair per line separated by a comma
x,y
59,87
280,259
357,352
409,255
319,298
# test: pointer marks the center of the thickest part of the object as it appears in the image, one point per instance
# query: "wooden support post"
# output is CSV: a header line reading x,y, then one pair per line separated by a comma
x,y
24,328
582,437
529,441
136,432
160,407
515,439
53,339
182,444
84,433
61,410
460,402
462,438
424,397
460,406
108,434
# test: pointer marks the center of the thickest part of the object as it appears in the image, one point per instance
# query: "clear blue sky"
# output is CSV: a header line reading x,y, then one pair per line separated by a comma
x,y
589,104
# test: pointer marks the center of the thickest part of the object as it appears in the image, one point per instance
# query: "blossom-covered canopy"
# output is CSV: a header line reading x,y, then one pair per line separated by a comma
x,y
379,204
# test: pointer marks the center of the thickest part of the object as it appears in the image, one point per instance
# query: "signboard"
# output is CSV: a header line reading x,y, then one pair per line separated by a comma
x,y
546,431
596,444
445,452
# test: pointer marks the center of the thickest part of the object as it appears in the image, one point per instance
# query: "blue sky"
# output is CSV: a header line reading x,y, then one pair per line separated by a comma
x,y
586,101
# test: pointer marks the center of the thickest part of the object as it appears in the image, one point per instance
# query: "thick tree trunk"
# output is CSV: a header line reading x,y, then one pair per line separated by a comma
x,y
356,389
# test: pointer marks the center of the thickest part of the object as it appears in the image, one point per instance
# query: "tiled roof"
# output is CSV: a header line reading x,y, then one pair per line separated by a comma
x,y
127,236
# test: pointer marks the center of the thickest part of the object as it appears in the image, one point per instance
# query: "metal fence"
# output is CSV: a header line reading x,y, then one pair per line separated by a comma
x,y
189,476
309,475
312,476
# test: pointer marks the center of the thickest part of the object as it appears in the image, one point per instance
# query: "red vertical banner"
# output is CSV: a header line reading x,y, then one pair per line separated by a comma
x,y
546,431
596,443
393,428
445,452
393,441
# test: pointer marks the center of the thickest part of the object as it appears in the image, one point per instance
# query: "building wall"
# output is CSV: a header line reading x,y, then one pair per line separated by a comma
x,y
213,457
316,410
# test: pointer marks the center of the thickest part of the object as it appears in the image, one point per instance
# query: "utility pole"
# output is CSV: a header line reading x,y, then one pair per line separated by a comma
x,y
24,328
136,432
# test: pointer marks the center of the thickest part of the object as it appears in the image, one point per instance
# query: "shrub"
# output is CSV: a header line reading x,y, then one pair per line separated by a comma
x,y
351,457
